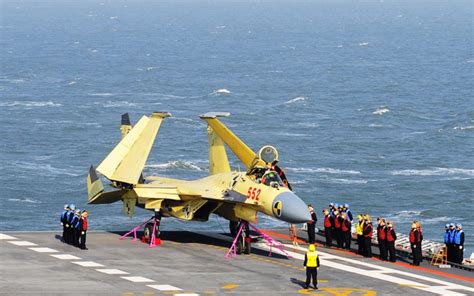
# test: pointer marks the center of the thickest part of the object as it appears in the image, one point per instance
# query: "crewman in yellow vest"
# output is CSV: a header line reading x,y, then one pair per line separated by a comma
x,y
311,263
360,236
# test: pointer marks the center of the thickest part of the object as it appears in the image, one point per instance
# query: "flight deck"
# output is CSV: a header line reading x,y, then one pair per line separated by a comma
x,y
194,263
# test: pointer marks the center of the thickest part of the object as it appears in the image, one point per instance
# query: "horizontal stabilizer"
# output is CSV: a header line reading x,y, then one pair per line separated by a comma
x,y
95,190
127,160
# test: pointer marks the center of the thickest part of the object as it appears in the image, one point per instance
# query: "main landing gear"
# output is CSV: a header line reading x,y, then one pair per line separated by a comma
x,y
148,231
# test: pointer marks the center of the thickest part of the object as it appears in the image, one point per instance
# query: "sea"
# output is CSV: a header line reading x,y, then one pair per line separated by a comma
x,y
369,103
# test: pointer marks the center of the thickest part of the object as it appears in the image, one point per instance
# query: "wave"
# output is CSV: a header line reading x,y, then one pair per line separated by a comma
x,y
112,104
308,124
72,82
322,170
297,99
347,181
381,110
176,164
469,127
26,200
363,43
47,169
220,91
12,80
434,172
101,94
30,104
379,125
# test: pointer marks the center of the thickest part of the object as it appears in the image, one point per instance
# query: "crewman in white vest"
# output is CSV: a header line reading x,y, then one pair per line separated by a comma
x,y
311,263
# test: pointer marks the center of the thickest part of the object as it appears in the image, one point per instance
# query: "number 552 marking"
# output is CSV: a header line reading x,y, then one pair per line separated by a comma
x,y
253,193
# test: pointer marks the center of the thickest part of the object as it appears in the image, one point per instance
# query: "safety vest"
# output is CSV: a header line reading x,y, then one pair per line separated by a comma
x,y
63,216
451,236
84,224
390,237
312,259
457,237
446,237
327,221
365,229
360,228
414,238
381,232
337,222
346,225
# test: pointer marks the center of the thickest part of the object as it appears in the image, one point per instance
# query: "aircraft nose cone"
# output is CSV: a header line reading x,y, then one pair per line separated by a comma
x,y
288,207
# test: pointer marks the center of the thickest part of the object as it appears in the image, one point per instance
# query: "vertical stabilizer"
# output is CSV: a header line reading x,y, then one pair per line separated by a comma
x,y
126,126
127,160
218,161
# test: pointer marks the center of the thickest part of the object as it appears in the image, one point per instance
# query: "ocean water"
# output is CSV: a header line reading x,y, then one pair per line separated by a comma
x,y
369,102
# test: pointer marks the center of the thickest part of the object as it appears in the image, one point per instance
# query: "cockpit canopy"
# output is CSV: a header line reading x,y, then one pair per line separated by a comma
x,y
271,178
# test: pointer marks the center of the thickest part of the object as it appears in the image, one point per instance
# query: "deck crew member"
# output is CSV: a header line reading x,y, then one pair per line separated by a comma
x,y
381,238
360,235
328,226
294,234
348,212
391,236
64,221
311,263
450,244
346,226
75,224
83,230
418,226
311,225
459,244
331,209
337,228
415,244
367,232
281,173
69,228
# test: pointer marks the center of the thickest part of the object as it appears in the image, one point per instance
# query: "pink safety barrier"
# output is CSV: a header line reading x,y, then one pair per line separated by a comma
x,y
270,242
153,240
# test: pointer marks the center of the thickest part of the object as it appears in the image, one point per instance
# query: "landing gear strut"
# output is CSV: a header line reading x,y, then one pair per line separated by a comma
x,y
244,241
148,231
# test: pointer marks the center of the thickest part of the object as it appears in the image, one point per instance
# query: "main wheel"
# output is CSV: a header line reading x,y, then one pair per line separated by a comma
x,y
233,227
149,230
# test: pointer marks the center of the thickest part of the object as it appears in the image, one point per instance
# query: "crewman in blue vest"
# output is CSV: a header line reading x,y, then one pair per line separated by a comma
x,y
63,221
450,245
75,224
311,263
69,228
459,244
348,212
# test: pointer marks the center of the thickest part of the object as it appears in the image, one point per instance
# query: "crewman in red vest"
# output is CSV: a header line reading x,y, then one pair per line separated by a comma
x,y
338,228
381,238
415,244
346,231
328,225
83,230
367,233
391,237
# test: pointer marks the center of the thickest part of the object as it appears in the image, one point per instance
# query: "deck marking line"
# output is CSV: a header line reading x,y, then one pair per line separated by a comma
x,y
186,294
44,250
4,236
88,264
112,271
164,288
65,257
137,279
22,243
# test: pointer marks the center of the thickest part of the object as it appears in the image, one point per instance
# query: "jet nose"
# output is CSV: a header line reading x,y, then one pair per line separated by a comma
x,y
288,207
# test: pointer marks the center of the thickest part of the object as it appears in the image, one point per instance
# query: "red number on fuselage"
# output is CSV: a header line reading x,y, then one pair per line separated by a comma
x,y
253,193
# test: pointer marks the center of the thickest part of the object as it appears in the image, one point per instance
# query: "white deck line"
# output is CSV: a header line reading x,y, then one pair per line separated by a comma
x,y
65,257
44,250
22,243
5,237
164,288
112,271
88,264
137,279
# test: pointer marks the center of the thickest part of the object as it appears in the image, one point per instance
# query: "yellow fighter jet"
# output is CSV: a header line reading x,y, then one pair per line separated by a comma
x,y
236,196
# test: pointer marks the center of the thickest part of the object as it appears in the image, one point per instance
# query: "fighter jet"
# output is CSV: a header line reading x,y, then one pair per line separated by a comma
x,y
234,195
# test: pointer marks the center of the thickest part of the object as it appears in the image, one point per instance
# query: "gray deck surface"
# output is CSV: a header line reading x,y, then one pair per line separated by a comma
x,y
195,264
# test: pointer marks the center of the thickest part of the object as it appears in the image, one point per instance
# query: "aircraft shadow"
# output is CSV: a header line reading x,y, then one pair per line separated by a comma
x,y
186,237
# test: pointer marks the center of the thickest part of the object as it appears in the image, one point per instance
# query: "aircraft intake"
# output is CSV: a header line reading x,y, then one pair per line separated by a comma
x,y
288,207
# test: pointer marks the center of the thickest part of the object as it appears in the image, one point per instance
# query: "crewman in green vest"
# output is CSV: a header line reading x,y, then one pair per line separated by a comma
x,y
311,263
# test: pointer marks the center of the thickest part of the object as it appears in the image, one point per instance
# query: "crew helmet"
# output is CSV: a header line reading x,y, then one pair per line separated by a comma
x,y
72,207
78,212
459,225
312,248
346,206
66,207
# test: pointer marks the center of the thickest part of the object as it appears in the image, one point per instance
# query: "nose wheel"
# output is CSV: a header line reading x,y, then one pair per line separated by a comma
x,y
148,231
244,241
